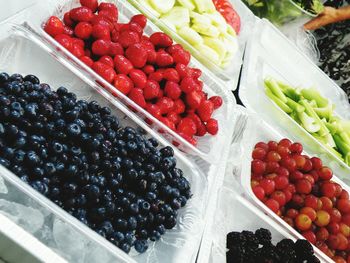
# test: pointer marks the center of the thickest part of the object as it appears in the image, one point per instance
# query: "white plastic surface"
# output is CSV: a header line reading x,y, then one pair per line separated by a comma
x,y
23,52
208,147
230,75
270,54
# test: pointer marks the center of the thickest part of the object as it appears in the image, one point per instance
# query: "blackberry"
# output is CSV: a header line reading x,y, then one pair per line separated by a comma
x,y
313,259
233,239
303,249
250,239
263,235
269,253
235,255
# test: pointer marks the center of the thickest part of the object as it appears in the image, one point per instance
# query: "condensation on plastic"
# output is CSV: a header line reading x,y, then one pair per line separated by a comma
x,y
208,147
229,75
270,54
23,52
256,131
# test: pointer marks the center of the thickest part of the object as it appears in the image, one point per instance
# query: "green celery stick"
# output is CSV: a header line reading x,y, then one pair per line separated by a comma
x,y
275,89
343,147
279,102
313,94
333,127
290,91
309,110
295,116
308,122
344,137
295,105
325,112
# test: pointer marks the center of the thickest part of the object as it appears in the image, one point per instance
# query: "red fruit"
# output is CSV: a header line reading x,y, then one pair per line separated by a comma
x,y
182,56
338,190
344,194
163,59
272,205
285,142
291,188
328,189
123,83
343,242
156,76
141,20
272,167
322,234
289,163
182,70
333,228
268,186
344,229
67,20
64,40
54,26
307,166
83,30
148,69
91,4
187,126
322,218
188,85
101,47
296,148
101,31
81,14
280,197
152,57
258,167
88,61
153,109
104,71
325,173
109,11
271,176
136,28
174,48
171,74
333,241
303,222
310,212
77,50
128,38
259,153
137,96
212,126
138,77
107,60
137,55
282,171
179,106
283,151
299,160
78,42
151,89
272,145
288,195
68,31
326,203
194,99
217,101
281,182
160,39
310,236
309,178
292,213
297,201
172,90
122,64
316,163
259,192
303,186
343,205
174,117
273,156
205,109
311,201
336,216
166,105
262,145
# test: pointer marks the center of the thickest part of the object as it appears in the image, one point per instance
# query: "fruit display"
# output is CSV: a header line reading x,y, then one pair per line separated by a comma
x,y
77,154
333,44
152,71
280,12
246,247
300,190
315,114
199,24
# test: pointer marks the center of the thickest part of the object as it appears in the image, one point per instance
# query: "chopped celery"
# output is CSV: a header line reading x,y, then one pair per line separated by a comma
x,y
275,89
308,122
313,94
333,127
279,102
324,112
289,91
294,105
343,147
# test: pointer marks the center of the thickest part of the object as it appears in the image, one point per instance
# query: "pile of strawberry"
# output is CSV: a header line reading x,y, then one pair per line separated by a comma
x,y
299,189
152,71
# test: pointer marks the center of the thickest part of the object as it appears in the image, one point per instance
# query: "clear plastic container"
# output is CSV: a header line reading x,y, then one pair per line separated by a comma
x,y
230,75
208,147
270,54
23,52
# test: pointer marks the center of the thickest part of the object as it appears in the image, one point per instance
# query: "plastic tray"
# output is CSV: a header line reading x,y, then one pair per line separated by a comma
x,y
229,75
256,131
208,147
23,52
270,54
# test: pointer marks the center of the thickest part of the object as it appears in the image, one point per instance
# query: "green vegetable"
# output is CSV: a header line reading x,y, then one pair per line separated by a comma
x,y
308,122
275,89
279,102
313,94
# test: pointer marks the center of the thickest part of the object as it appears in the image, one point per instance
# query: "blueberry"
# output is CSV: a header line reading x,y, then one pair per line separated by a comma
x,y
16,77
38,186
130,238
143,233
24,178
4,162
118,236
57,147
132,223
62,91
38,172
170,222
92,191
167,151
121,224
107,227
4,77
155,235
134,209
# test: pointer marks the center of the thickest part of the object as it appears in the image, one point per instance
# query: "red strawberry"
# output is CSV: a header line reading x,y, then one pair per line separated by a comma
x,y
163,59
187,126
65,41
107,60
165,104
182,56
160,39
91,4
217,101
174,117
83,30
127,38
212,126
153,109
136,28
54,26
171,74
151,89
172,90
137,55
104,71
88,61
188,85
68,31
179,106
174,48
115,49
81,14
139,19
123,83
138,77
122,64
205,110
100,31
67,20
137,96
101,47
148,69
156,76
194,99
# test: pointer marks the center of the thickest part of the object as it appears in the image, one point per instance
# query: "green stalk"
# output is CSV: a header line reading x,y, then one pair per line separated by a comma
x,y
279,102
313,94
295,106
276,90
343,147
289,91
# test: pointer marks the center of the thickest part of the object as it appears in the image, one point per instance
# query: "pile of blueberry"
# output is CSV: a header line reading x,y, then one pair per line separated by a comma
x,y
76,153
333,43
